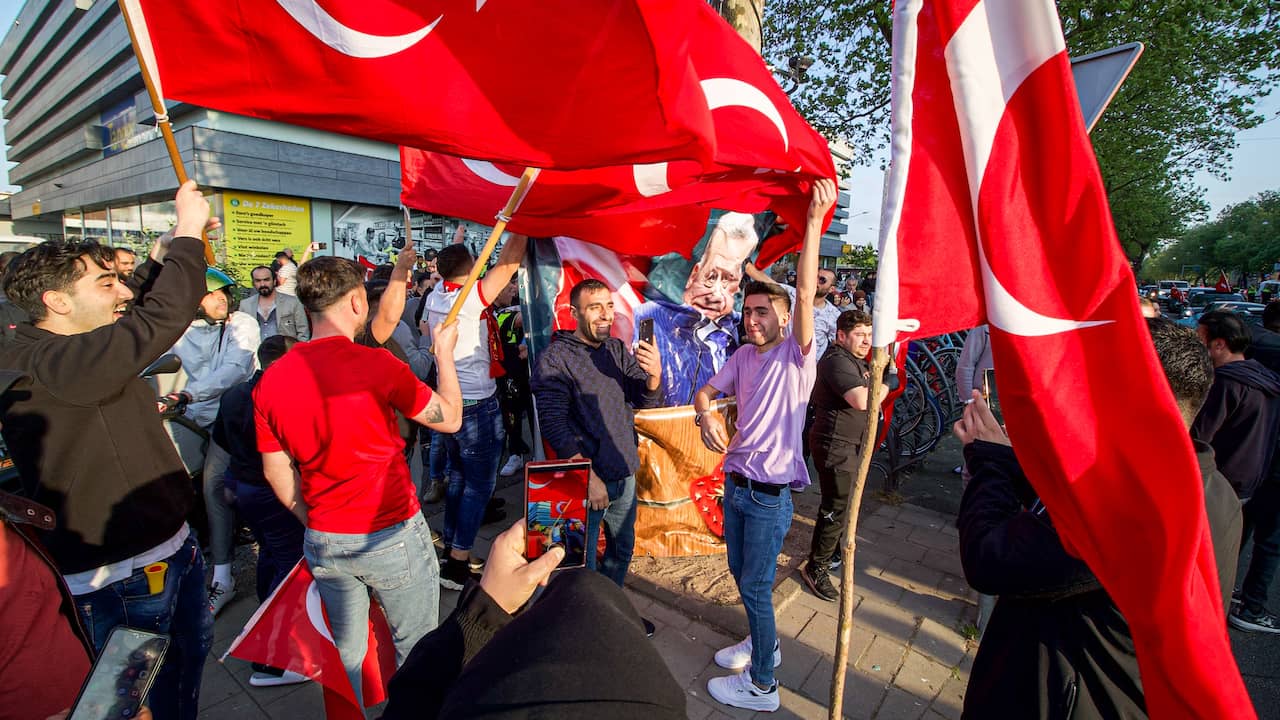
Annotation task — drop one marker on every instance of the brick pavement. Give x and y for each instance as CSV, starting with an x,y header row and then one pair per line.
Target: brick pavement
x,y
909,658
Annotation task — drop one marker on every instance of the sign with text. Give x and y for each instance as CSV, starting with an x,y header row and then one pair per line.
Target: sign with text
x,y
258,226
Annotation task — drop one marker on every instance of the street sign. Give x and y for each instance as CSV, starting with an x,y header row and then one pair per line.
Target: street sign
x,y
1099,75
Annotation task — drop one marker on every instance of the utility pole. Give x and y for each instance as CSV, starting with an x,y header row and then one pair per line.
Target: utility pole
x,y
746,16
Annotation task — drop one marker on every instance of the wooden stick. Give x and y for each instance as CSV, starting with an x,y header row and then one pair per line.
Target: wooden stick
x,y
162,119
517,195
879,361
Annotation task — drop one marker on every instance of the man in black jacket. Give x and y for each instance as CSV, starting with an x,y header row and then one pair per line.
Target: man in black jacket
x,y
1241,415
587,383
1056,645
87,439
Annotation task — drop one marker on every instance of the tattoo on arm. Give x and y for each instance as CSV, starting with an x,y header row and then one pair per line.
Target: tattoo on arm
x,y
434,413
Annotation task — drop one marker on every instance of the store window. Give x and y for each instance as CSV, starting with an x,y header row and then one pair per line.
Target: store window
x,y
126,228
73,226
96,228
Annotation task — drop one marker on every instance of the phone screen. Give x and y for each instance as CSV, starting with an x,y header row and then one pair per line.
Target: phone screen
x,y
991,395
646,330
122,675
556,509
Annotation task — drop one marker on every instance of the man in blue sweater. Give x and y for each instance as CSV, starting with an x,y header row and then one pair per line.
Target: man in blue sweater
x,y
587,383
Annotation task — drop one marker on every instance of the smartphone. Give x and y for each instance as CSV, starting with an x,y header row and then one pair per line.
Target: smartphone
x,y
990,394
646,330
555,493
121,676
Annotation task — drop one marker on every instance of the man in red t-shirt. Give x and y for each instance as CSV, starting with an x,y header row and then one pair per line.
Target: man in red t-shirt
x,y
331,450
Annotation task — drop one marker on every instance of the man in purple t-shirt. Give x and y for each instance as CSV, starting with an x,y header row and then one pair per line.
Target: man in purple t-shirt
x,y
772,377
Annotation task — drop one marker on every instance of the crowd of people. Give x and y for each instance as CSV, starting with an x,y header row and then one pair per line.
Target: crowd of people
x,y
298,411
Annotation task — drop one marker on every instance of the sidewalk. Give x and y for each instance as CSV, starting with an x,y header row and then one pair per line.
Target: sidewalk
x,y
908,658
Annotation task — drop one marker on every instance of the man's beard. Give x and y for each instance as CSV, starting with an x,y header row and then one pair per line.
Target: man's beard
x,y
266,291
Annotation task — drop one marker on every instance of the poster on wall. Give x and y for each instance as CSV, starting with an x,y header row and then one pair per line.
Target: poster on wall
x,y
369,234
258,226
695,305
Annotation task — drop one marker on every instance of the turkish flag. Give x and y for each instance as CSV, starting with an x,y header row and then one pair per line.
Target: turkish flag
x,y
290,631
553,83
766,157
1224,285
995,212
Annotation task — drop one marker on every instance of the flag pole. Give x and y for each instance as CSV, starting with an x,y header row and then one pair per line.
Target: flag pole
x,y
879,361
162,117
504,217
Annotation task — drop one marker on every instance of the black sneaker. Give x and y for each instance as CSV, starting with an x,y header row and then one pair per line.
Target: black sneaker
x,y
493,515
454,574
476,566
649,629
819,582
1243,618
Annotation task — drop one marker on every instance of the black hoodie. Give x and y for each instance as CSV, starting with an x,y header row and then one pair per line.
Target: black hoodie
x,y
83,428
1056,646
1240,418
585,399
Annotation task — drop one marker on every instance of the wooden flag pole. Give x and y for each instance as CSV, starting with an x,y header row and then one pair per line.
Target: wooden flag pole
x,y
162,118
504,217
879,361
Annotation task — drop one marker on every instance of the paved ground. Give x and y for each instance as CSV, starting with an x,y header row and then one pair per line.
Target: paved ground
x,y
910,656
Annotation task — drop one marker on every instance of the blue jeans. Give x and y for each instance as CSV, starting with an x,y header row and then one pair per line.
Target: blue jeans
x,y
1262,522
619,520
755,524
278,532
398,564
181,611
474,454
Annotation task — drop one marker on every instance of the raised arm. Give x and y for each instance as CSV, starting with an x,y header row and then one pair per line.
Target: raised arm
x,y
444,411
508,263
392,305
824,196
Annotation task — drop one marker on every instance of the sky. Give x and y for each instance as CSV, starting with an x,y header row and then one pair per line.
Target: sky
x,y
1252,169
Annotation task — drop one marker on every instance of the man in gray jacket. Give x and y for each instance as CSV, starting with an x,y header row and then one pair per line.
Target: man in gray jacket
x,y
277,313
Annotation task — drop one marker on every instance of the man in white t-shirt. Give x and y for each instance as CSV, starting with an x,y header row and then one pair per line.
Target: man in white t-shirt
x,y
476,449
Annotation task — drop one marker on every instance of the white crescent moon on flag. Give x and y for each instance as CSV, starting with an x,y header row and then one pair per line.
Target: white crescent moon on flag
x,y
651,179
489,172
315,611
984,76
347,40
538,486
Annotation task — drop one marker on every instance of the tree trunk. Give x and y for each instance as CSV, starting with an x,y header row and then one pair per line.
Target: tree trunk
x,y
746,16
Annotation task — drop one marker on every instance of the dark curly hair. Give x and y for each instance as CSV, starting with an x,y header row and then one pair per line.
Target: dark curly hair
x,y
52,265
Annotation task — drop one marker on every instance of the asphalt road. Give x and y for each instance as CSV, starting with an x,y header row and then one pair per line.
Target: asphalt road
x,y
935,486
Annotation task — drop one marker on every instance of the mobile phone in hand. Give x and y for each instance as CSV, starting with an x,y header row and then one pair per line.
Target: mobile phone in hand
x,y
646,330
991,395
555,494
121,676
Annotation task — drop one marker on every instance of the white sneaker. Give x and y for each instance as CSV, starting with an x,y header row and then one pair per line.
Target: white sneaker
x,y
220,595
737,657
266,679
739,691
514,463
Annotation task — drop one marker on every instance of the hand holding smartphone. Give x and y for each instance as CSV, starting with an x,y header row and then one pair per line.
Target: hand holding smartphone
x,y
121,676
645,332
556,509
991,395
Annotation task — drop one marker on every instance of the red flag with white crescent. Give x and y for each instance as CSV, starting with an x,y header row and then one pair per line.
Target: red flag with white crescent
x,y
995,212
290,631
1224,285
766,157
553,83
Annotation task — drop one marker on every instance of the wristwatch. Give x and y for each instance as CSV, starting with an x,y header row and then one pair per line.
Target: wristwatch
x,y
697,418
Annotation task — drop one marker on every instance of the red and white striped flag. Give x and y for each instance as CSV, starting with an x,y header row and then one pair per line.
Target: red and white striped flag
x,y
995,212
